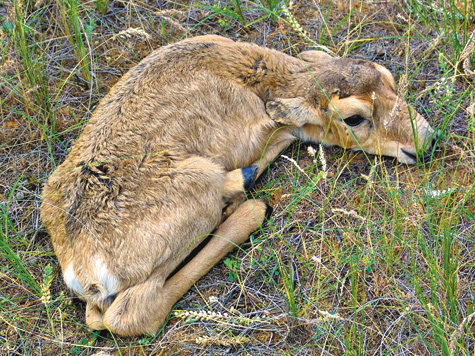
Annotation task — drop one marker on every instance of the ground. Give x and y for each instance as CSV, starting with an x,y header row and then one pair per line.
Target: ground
x,y
362,255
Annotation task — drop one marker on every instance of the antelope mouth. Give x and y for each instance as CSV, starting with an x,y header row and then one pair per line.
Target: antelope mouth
x,y
421,157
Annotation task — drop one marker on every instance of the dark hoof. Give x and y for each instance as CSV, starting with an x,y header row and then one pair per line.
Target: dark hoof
x,y
249,174
269,211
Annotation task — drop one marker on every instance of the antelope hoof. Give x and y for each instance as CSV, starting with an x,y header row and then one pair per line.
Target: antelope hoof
x,y
94,318
269,211
249,175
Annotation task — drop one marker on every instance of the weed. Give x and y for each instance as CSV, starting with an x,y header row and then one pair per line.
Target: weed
x,y
233,267
361,255
101,5
78,36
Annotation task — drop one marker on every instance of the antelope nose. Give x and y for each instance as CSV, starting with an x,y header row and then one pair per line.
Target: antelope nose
x,y
433,148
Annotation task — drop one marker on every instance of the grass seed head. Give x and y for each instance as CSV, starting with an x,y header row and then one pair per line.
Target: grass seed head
x,y
130,32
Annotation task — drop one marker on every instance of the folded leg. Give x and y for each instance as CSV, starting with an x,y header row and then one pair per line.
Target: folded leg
x,y
143,308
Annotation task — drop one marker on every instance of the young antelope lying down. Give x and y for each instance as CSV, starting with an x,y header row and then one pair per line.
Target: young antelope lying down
x,y
177,140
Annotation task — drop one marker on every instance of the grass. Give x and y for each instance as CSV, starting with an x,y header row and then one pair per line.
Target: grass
x,y
368,258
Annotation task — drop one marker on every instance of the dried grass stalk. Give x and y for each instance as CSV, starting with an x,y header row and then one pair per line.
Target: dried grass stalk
x,y
464,57
458,332
401,94
167,15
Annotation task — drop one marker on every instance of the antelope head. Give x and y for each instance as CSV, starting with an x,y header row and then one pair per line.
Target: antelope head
x,y
353,104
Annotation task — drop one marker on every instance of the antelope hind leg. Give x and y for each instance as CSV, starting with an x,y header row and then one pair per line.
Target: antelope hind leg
x,y
143,308
94,317
247,218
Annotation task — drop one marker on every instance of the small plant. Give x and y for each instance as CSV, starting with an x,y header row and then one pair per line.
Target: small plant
x,y
273,7
237,9
84,343
233,267
101,6
226,12
74,28
27,44
14,267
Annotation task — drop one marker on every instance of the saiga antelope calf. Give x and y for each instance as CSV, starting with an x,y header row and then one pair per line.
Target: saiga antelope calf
x,y
179,137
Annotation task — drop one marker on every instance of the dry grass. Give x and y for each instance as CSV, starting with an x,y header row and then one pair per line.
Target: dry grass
x,y
369,258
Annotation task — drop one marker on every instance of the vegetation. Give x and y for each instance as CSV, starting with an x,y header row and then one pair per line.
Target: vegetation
x,y
362,256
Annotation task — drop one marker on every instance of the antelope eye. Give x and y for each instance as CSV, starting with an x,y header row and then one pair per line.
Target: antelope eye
x,y
354,120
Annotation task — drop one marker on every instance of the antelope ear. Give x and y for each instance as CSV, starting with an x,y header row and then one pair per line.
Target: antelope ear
x,y
292,112
315,56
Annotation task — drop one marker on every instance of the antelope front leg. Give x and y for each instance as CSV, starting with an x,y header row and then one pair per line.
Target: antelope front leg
x,y
242,179
143,308
239,181
280,140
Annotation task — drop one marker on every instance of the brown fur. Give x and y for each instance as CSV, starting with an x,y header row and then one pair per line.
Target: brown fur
x,y
147,179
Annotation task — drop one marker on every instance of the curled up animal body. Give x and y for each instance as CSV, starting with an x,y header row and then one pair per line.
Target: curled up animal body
x,y
179,138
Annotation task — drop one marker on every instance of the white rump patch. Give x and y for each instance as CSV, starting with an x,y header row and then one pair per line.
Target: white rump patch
x,y
106,279
71,280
